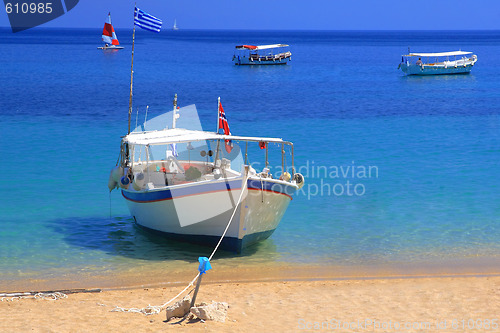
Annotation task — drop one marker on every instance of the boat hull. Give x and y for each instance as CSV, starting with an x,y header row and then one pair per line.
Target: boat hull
x,y
245,61
109,48
199,212
435,70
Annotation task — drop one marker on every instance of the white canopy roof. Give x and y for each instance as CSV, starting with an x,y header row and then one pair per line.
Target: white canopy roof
x,y
260,47
272,46
179,135
438,54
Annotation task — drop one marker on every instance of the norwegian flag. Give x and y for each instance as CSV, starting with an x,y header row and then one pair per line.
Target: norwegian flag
x,y
225,126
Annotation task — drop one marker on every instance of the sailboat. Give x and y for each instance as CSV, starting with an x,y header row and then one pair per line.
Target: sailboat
x,y
175,25
109,37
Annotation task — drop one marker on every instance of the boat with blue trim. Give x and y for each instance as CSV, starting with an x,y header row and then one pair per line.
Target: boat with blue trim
x,y
455,62
254,55
195,185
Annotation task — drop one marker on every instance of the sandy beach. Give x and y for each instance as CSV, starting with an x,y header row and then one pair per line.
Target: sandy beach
x,y
410,304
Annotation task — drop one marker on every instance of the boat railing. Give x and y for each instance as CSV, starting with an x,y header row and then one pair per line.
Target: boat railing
x,y
440,62
168,173
269,57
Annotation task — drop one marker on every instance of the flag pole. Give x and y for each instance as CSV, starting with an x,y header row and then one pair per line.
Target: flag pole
x,y
131,76
218,141
218,114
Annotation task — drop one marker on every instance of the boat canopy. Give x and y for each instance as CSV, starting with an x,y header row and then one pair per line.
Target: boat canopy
x,y
180,135
246,47
260,47
438,54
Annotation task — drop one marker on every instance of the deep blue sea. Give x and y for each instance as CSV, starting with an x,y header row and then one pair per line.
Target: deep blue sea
x,y
429,146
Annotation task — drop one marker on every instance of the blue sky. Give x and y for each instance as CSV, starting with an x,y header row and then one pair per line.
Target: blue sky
x,y
290,14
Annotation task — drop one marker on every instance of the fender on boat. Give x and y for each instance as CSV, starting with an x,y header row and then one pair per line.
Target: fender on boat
x,y
114,177
117,173
138,182
111,183
299,180
125,180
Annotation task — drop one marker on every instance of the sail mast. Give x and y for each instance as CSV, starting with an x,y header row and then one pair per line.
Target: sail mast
x,y
131,77
218,114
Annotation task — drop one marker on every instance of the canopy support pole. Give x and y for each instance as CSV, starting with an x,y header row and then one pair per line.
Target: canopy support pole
x,y
217,153
282,159
267,154
246,152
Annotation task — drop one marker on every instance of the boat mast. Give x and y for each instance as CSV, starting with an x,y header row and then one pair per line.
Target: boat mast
x,y
175,115
218,114
218,141
131,78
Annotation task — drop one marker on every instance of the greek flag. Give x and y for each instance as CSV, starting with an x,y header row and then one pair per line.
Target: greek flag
x,y
146,21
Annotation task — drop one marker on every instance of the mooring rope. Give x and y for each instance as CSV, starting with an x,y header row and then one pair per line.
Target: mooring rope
x,y
45,296
156,309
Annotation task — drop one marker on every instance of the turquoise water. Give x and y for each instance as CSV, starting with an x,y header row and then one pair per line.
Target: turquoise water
x,y
425,150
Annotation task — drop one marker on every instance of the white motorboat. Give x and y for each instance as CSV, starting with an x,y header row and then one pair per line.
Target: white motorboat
x,y
189,184
456,62
273,54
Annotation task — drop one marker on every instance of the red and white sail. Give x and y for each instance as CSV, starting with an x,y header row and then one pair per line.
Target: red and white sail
x,y
108,33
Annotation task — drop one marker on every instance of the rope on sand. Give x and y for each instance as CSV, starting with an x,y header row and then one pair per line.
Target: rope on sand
x,y
156,309
54,296
45,295
51,296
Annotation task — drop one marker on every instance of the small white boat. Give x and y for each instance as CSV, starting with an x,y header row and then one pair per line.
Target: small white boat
x,y
109,37
262,55
182,183
175,25
456,62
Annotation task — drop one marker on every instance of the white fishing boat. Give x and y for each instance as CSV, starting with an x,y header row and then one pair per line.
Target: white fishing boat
x,y
175,25
455,62
273,54
109,37
192,185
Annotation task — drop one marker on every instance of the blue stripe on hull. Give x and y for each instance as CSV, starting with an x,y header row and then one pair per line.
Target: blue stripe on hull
x,y
171,193
228,243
